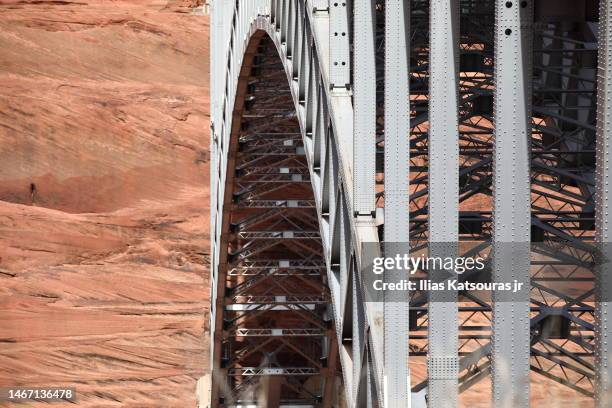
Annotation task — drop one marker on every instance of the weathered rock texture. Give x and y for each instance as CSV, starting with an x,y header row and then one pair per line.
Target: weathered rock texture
x,y
104,199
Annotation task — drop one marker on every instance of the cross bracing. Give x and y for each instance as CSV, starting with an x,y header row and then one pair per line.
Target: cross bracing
x,y
342,123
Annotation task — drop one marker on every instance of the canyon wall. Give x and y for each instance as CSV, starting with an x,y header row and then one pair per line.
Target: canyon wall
x,y
104,118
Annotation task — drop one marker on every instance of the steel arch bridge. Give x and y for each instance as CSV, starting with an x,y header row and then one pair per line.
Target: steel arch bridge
x,y
340,126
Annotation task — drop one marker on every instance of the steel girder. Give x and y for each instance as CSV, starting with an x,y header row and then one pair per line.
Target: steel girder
x,y
443,336
333,56
561,215
603,369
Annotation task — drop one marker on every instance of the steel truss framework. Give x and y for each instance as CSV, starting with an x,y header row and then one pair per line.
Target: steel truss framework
x,y
335,124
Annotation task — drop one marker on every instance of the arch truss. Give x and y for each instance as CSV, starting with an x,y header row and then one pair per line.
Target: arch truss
x,y
347,130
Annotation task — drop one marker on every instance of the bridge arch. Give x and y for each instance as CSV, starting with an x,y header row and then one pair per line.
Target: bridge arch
x,y
275,343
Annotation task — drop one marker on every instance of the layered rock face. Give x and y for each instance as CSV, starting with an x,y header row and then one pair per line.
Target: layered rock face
x,y
104,199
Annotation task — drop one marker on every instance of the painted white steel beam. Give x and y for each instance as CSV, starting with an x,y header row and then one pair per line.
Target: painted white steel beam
x,y
397,171
339,44
443,334
511,195
603,213
364,105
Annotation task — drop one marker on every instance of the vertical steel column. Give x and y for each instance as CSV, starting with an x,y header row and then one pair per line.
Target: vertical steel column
x,y
298,35
364,105
284,27
603,219
278,14
339,45
511,193
290,38
443,335
397,171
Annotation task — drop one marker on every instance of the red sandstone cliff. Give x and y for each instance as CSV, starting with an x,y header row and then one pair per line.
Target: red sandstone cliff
x,y
104,199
